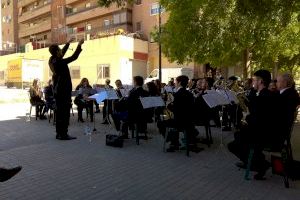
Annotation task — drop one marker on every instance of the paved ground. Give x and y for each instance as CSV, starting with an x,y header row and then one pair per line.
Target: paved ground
x,y
69,170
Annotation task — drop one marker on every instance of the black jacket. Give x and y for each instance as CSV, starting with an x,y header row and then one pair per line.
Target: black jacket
x,y
262,117
136,113
62,83
183,108
287,104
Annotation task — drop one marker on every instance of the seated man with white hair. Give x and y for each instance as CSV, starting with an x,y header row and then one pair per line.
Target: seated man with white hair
x,y
288,102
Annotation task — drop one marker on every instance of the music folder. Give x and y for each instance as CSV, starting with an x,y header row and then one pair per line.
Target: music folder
x,y
152,102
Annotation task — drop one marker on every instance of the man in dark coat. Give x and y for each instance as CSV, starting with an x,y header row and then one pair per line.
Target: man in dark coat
x,y
258,133
287,105
136,112
62,86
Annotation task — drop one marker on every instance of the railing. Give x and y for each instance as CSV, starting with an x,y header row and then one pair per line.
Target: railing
x,y
40,10
39,28
103,31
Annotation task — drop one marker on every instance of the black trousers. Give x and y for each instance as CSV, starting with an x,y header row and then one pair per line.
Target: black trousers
x,y
63,106
81,104
107,109
241,146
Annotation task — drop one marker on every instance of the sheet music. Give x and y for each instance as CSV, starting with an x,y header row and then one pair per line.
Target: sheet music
x,y
213,99
230,95
152,102
106,94
111,94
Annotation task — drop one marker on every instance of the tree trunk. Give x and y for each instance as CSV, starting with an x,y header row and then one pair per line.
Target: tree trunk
x,y
275,70
246,64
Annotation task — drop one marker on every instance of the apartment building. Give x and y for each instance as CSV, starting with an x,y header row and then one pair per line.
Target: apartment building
x,y
145,18
42,22
47,21
9,28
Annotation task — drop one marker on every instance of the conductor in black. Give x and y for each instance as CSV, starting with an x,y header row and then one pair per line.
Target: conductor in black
x,y
62,86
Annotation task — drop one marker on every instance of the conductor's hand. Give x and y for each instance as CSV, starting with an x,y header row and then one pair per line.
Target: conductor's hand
x,y
81,42
72,39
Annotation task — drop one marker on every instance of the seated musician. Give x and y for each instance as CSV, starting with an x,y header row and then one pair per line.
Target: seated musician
x,y
182,108
273,87
36,99
120,112
203,112
107,108
260,130
49,96
81,100
136,113
287,105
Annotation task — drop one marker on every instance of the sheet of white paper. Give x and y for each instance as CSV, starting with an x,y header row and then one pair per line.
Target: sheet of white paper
x,y
229,95
214,99
99,97
152,102
111,94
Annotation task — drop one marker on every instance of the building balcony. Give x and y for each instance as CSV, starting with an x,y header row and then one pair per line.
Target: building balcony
x,y
71,1
35,13
27,31
89,13
99,32
22,3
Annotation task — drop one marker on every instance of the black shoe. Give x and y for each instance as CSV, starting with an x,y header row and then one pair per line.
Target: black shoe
x,y
6,174
196,149
67,138
105,122
260,177
241,165
97,111
124,137
226,129
43,117
80,120
58,137
171,149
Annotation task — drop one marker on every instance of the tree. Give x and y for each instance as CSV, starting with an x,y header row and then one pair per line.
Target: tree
x,y
224,33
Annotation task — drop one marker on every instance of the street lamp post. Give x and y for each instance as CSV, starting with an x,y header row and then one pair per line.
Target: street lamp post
x,y
159,44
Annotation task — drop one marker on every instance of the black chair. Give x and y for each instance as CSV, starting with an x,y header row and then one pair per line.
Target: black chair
x,y
206,124
168,131
286,156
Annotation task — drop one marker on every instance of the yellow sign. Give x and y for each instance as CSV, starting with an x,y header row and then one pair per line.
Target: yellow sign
x,y
14,70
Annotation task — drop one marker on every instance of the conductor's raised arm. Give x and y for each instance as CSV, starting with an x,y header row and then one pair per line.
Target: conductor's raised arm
x,y
66,47
75,54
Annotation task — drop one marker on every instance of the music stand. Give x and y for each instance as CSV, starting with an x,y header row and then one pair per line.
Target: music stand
x,y
214,99
105,95
149,102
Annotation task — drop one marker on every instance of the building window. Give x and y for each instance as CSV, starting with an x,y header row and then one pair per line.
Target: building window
x,y
45,37
88,27
8,2
88,5
155,9
75,72
117,19
1,75
138,2
138,26
103,71
106,22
